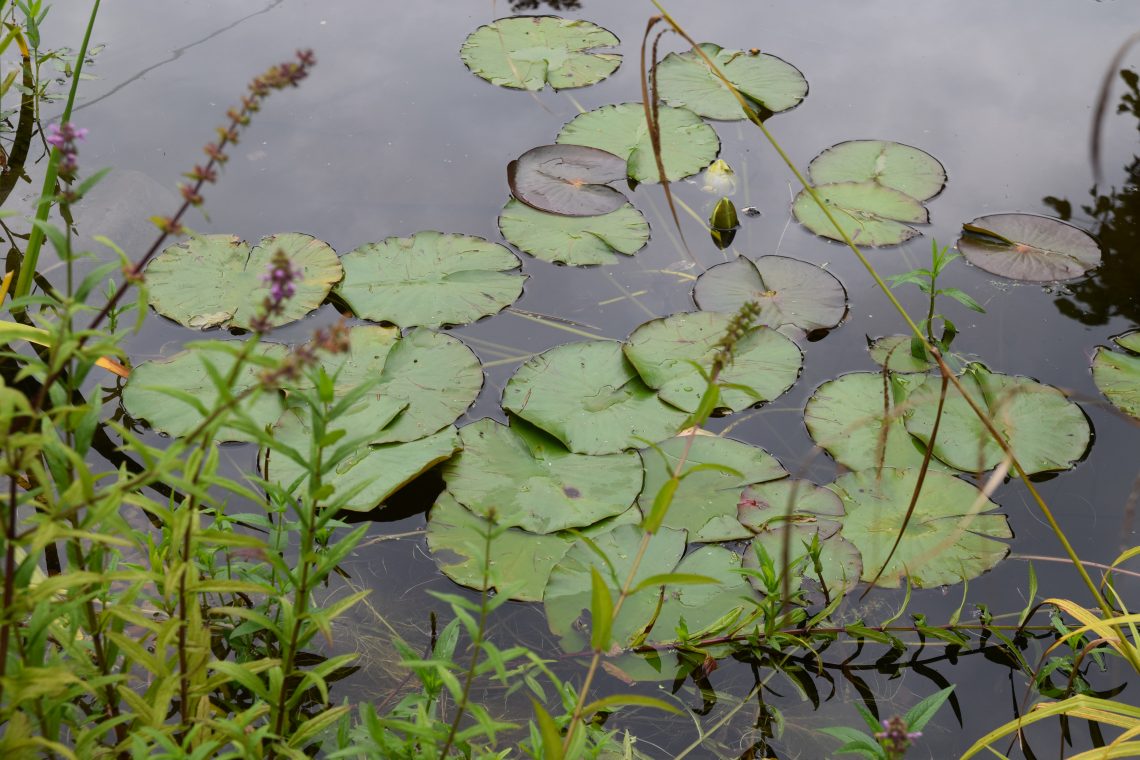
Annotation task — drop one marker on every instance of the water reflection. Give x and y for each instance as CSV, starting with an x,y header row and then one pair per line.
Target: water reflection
x,y
554,5
1114,219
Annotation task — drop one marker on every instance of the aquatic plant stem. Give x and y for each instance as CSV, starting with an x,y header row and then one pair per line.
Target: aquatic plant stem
x,y
43,207
1132,656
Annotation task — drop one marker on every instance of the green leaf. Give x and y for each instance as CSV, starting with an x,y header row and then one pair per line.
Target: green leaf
x,y
840,561
573,240
963,298
218,281
869,214
792,294
687,143
952,534
529,52
707,608
918,716
548,730
684,79
430,279
1117,375
624,700
669,354
889,164
773,504
589,397
1029,247
855,742
528,479
896,354
601,612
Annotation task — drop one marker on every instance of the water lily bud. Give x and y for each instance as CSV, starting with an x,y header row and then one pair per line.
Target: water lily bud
x,y
720,179
724,216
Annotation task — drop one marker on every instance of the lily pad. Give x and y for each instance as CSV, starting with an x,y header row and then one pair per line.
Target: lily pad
x,y
1117,375
569,180
791,293
870,214
577,241
430,279
1044,429
528,479
216,280
684,79
1029,247
371,473
766,506
185,374
705,503
519,560
841,562
588,396
845,417
567,595
529,52
666,353
893,352
708,609
432,376
687,143
948,539
890,164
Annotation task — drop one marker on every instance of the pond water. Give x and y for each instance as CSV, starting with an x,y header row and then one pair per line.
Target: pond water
x,y
392,135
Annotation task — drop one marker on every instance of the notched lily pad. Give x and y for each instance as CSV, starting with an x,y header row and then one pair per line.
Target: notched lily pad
x,y
705,503
840,562
952,534
529,52
767,506
771,84
520,561
687,143
708,609
528,479
569,180
890,164
1028,247
1044,429
217,280
869,213
1117,375
185,375
894,352
667,353
577,241
791,293
430,279
588,396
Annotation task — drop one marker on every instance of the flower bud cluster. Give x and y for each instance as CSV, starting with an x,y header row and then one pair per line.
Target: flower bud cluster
x,y
64,138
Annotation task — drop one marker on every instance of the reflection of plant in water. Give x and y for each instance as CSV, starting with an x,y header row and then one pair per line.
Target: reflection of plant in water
x,y
554,5
1114,219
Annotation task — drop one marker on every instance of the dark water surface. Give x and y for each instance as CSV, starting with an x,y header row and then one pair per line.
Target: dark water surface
x,y
392,135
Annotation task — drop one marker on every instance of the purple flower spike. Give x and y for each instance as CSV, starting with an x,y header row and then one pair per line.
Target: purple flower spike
x,y
64,137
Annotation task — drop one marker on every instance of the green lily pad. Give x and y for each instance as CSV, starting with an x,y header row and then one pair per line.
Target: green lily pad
x,y
708,609
569,180
568,592
667,351
457,540
687,143
791,293
1044,429
216,280
430,279
185,374
684,79
577,241
870,214
890,164
893,352
371,473
433,377
1029,247
841,562
528,479
845,417
767,506
944,543
588,396
529,52
1117,375
705,503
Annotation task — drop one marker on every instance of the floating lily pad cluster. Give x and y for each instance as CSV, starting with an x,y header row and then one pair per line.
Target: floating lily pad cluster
x,y
874,190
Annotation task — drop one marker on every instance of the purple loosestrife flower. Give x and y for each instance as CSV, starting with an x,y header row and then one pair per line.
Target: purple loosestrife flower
x,y
64,137
895,739
281,278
